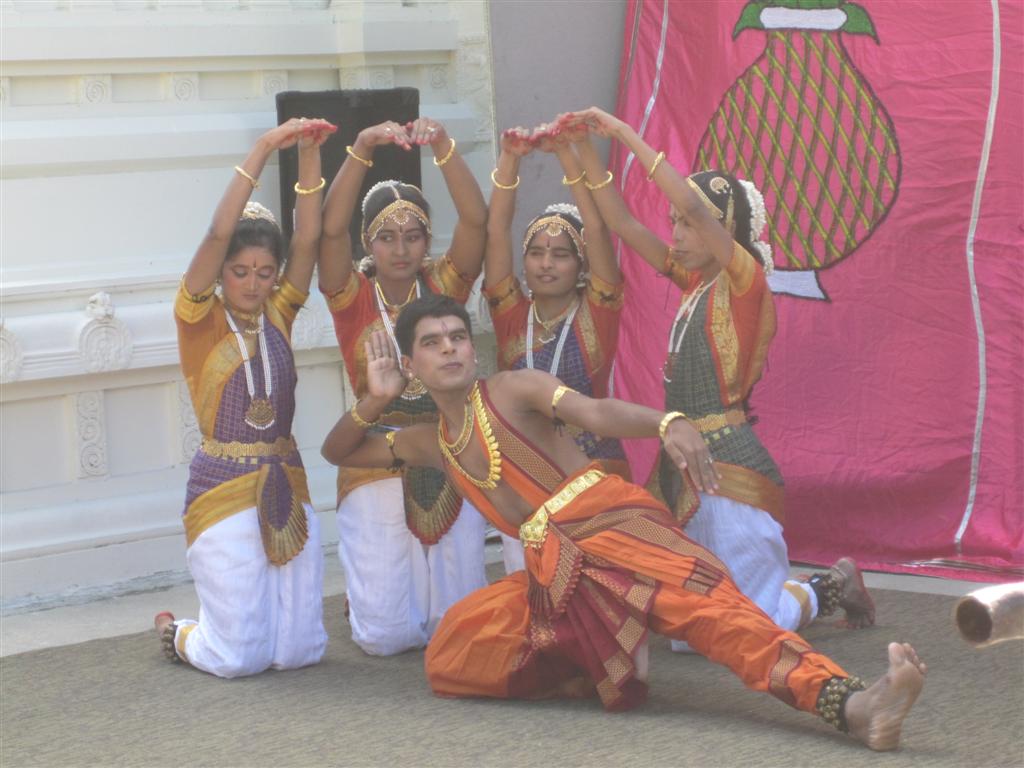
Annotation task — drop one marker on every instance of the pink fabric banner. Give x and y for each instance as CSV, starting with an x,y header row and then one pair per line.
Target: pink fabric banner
x,y
887,140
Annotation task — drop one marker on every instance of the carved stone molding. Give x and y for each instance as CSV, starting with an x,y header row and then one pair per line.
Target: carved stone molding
x,y
5,89
104,343
92,438
191,437
94,89
473,82
185,86
308,327
274,82
439,77
11,356
366,77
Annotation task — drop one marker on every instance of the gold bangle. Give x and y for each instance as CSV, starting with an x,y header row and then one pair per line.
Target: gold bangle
x,y
300,191
351,153
446,158
359,420
654,166
577,180
499,185
667,419
242,172
602,185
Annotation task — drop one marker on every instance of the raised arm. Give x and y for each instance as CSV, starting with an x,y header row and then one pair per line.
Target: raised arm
x,y
467,248
609,417
208,260
335,259
308,197
349,445
600,252
674,185
498,257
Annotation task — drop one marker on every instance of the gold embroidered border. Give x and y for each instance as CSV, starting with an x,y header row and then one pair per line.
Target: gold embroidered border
x,y
790,655
605,294
504,296
753,488
343,298
232,497
218,367
448,280
801,596
741,269
723,333
534,530
241,452
179,641
187,308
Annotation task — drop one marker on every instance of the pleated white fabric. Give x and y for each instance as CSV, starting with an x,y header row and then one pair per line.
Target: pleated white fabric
x,y
512,554
254,615
750,543
397,588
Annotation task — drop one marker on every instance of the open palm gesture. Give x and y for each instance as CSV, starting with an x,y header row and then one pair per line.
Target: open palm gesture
x,y
383,374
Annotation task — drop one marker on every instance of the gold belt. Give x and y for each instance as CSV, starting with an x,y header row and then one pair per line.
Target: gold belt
x,y
238,451
533,532
716,421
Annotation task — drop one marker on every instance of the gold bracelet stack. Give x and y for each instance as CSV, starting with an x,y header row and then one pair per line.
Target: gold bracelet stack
x,y
668,419
245,175
312,190
351,153
654,166
601,185
446,158
359,420
499,185
567,182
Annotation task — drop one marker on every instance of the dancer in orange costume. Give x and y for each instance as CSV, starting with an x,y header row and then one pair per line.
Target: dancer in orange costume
x,y
605,561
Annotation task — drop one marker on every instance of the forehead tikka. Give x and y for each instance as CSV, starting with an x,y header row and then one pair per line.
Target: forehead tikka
x,y
554,226
400,212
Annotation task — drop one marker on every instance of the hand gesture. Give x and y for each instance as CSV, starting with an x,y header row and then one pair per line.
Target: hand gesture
x,y
388,132
384,377
314,132
572,131
516,141
547,137
599,122
424,130
688,451
290,132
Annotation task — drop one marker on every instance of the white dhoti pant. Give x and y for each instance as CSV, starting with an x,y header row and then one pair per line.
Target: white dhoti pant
x,y
512,554
398,588
749,541
252,614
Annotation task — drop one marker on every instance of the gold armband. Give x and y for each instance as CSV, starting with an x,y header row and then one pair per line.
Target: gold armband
x,y
300,191
654,166
601,185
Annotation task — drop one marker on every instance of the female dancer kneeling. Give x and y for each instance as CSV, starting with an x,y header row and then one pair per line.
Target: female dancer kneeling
x,y
253,538
717,347
568,324
410,547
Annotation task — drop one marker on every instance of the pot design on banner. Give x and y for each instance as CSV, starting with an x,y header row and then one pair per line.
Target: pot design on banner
x,y
806,127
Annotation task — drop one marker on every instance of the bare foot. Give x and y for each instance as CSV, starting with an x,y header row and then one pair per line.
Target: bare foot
x,y
161,620
875,716
854,597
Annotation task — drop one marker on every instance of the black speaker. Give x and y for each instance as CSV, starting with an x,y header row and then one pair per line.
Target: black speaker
x,y
351,111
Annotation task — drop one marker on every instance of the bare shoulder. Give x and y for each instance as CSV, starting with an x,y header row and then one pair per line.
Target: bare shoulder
x,y
523,390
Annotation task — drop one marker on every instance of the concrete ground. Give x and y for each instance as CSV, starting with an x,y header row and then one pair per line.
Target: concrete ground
x,y
132,607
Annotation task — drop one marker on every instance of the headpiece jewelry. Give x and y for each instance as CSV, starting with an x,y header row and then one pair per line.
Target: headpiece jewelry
x,y
758,220
720,186
254,210
398,211
554,222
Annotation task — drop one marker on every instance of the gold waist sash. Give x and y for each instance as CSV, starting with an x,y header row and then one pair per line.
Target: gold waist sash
x,y
716,421
241,452
534,531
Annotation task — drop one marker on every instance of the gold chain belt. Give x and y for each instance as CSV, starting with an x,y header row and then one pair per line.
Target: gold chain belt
x,y
533,532
716,421
238,451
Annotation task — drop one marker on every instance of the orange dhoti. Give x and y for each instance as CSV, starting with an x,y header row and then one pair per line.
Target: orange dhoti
x,y
606,563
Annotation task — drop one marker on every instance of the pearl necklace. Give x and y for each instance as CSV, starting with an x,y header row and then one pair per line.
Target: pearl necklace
x,y
412,391
566,327
260,413
686,310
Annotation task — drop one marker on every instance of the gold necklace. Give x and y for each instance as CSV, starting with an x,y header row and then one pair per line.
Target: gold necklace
x,y
467,432
493,456
389,305
547,325
251,319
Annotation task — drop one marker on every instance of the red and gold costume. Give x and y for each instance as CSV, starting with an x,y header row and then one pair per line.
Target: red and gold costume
x,y
606,562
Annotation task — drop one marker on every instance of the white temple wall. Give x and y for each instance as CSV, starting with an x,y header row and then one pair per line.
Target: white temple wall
x,y
121,122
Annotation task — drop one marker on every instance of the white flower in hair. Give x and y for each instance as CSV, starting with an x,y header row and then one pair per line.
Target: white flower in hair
x,y
391,183
566,209
758,221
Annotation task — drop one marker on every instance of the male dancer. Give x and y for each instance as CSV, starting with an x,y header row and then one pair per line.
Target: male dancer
x,y
604,560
